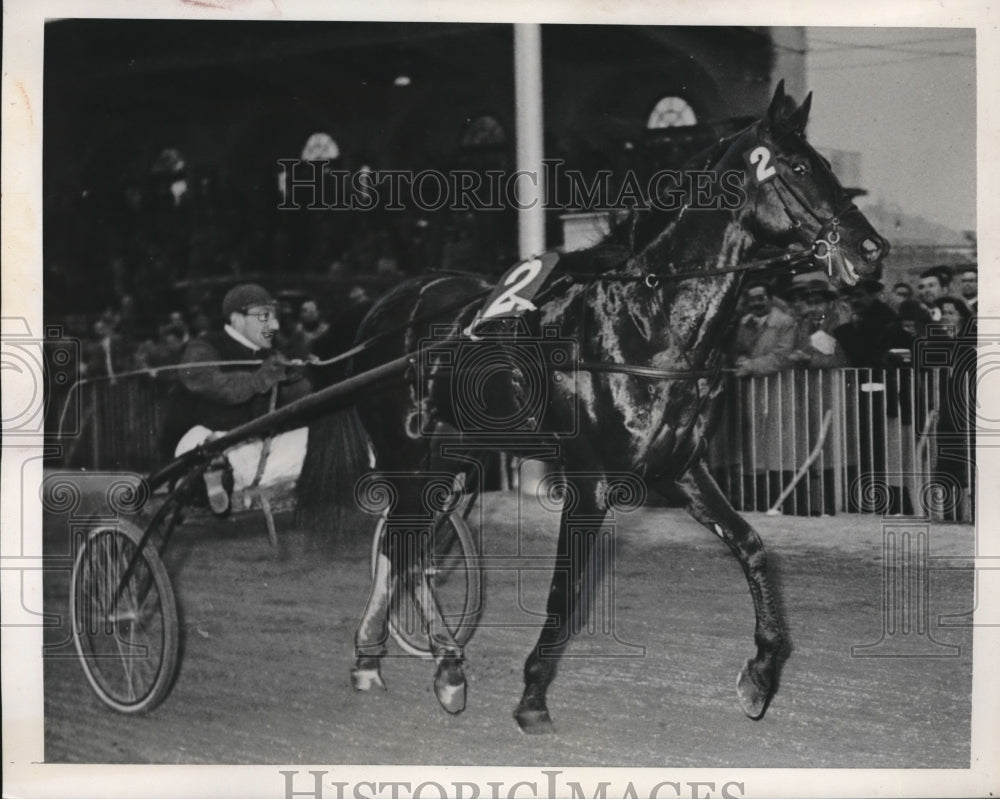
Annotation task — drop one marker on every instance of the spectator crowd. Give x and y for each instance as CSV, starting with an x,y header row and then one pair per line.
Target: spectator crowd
x,y
116,345
894,372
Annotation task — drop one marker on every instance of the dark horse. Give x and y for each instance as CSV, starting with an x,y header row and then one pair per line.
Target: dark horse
x,y
646,308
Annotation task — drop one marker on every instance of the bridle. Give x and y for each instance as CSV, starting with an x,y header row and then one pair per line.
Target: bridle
x,y
825,242
827,238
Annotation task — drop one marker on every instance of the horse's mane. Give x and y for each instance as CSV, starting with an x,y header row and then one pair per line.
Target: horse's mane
x,y
631,232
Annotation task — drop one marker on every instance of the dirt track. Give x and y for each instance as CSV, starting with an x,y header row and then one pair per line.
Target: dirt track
x,y
267,650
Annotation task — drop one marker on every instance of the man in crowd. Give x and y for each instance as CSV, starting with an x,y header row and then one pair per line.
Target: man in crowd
x,y
765,335
166,350
968,284
765,338
107,353
812,300
933,285
861,338
214,397
901,292
807,392
309,326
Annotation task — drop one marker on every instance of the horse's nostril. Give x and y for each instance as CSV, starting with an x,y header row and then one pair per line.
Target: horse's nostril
x,y
873,249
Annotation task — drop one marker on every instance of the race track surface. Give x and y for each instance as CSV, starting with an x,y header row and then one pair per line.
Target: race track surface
x,y
267,648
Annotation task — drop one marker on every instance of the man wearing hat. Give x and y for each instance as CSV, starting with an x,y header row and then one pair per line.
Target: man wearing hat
x,y
764,335
812,299
214,396
863,336
807,392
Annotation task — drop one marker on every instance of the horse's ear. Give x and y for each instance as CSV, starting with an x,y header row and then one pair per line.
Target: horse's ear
x,y
799,118
783,115
774,111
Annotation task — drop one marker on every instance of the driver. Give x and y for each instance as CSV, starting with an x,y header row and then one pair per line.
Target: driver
x,y
212,397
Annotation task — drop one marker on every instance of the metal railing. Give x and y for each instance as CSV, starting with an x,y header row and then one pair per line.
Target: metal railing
x,y
819,442
117,423
804,442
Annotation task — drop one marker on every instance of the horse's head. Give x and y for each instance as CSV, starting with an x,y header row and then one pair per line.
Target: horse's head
x,y
794,197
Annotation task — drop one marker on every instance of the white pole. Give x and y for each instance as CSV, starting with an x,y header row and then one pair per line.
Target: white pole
x,y
530,185
529,124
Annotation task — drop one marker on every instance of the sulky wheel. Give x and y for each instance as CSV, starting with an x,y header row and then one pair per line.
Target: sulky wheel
x,y
457,582
125,629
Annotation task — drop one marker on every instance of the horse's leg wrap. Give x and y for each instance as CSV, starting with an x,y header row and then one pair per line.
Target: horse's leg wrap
x,y
758,678
373,630
449,679
366,675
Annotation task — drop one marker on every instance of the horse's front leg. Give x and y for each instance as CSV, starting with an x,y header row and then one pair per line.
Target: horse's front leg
x,y
757,679
582,516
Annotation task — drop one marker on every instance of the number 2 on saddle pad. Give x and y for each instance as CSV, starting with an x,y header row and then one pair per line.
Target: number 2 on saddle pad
x,y
515,291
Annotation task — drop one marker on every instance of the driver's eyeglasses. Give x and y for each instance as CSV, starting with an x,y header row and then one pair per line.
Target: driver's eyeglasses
x,y
262,316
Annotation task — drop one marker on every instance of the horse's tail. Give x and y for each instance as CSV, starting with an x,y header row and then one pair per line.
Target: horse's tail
x,y
336,457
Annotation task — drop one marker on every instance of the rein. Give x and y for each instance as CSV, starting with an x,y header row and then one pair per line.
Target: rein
x,y
653,279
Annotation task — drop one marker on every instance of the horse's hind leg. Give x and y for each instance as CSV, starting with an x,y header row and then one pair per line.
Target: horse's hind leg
x,y
449,679
583,514
402,567
373,629
757,680
412,557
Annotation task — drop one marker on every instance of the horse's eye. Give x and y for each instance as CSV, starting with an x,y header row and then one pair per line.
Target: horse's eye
x,y
800,168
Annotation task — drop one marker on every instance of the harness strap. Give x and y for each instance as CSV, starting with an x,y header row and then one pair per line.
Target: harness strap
x,y
651,373
265,450
255,489
652,279
636,371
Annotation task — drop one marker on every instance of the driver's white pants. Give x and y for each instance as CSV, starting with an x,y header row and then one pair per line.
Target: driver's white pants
x,y
284,460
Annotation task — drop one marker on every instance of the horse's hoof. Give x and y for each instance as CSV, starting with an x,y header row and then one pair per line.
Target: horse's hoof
x,y
366,679
534,722
449,685
753,698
